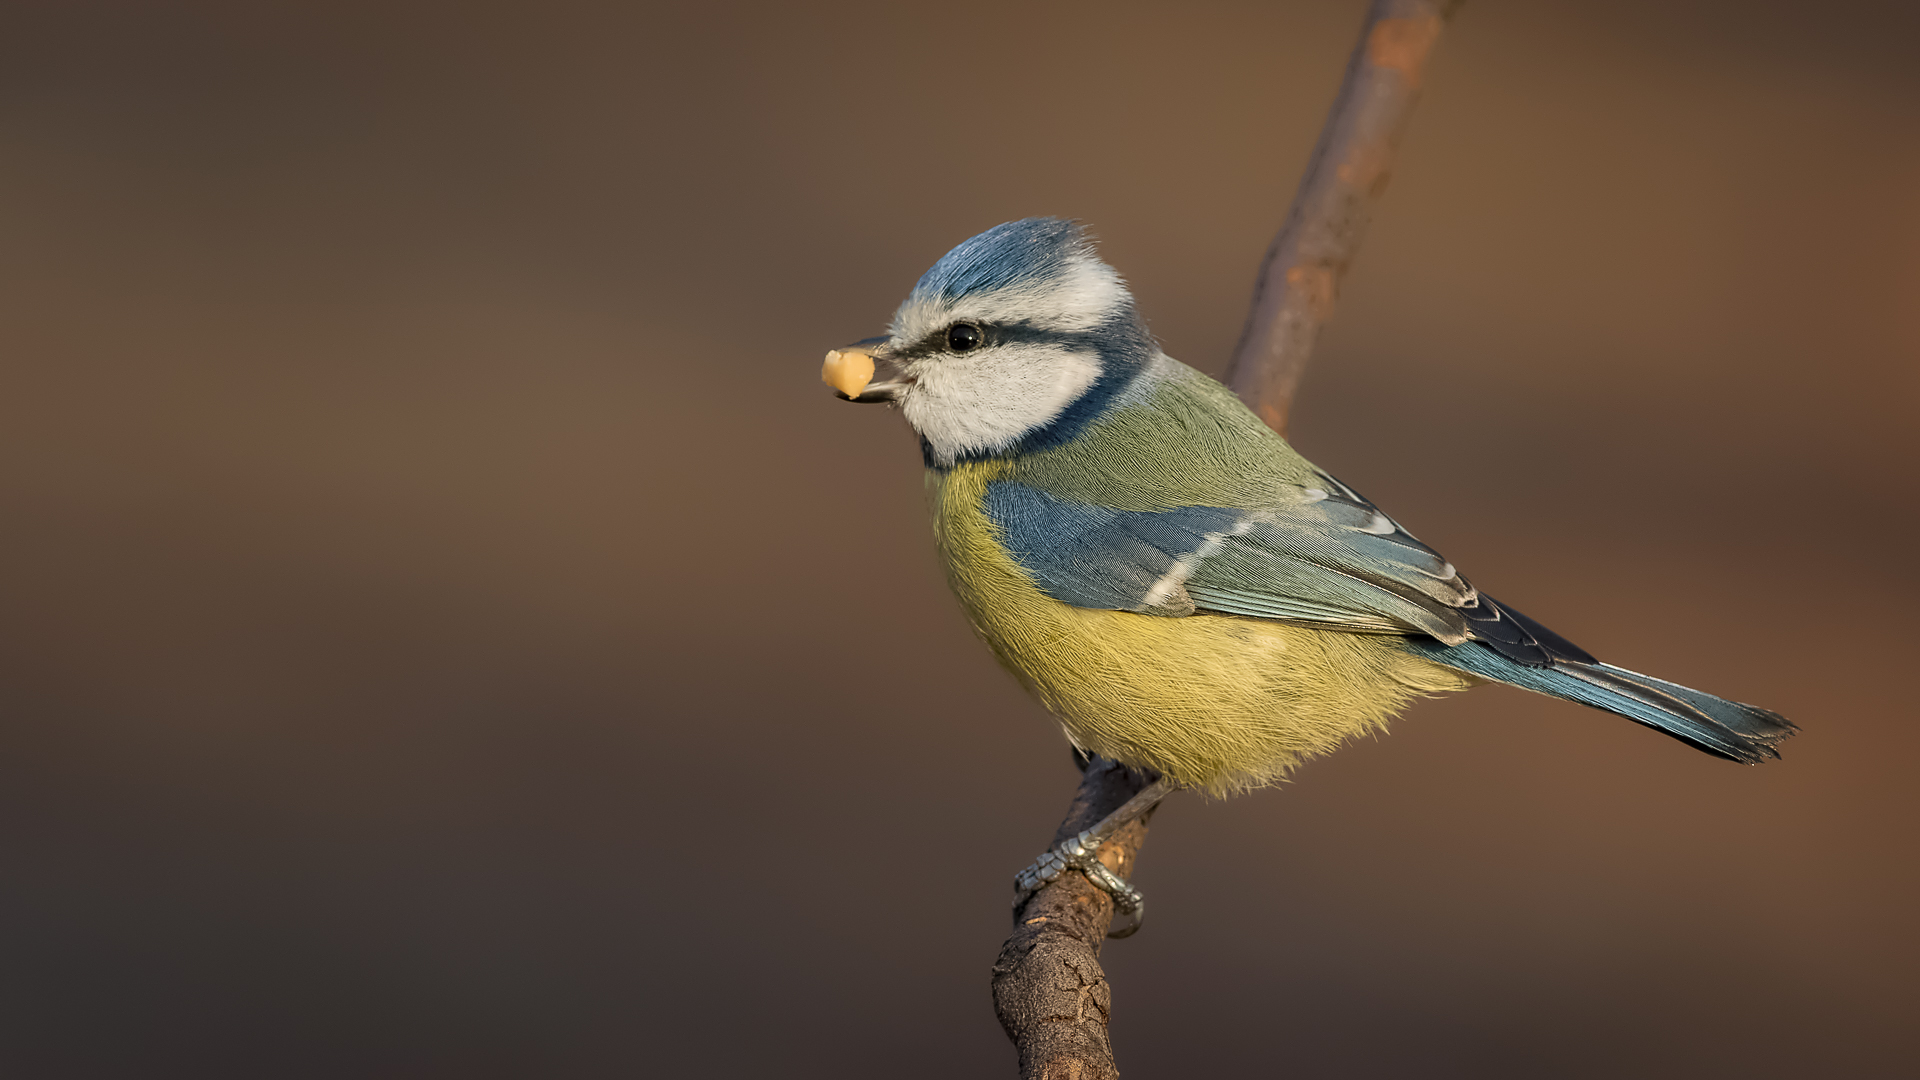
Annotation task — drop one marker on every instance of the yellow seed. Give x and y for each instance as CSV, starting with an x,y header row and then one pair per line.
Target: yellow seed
x,y
847,370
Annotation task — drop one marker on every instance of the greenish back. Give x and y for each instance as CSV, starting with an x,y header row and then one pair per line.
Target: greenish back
x,y
1178,439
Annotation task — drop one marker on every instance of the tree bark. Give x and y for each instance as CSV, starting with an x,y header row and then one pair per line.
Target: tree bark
x,y
1048,988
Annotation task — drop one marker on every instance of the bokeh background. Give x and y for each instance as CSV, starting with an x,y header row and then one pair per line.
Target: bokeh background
x,y
446,629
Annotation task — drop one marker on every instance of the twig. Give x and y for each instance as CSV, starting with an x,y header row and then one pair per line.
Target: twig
x,y
1300,277
1048,988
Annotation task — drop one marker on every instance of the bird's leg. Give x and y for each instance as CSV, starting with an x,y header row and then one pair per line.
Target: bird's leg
x,y
1081,852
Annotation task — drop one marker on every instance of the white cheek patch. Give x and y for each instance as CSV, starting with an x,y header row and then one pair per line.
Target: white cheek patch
x,y
985,401
1081,296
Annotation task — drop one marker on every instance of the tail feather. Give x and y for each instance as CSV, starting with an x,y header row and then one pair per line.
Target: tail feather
x,y
1720,727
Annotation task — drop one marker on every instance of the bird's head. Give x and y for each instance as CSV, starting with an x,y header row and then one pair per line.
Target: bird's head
x,y
1012,341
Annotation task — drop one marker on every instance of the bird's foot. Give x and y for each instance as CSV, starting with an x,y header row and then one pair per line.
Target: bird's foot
x,y
1081,853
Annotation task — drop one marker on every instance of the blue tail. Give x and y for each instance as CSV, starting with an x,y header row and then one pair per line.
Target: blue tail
x,y
1723,728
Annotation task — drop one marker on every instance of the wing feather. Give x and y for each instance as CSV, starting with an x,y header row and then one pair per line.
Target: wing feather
x,y
1320,556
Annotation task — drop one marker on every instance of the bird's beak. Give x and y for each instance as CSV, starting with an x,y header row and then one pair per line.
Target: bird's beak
x,y
864,372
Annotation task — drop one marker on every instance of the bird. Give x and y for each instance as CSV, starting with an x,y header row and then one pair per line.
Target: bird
x,y
1181,589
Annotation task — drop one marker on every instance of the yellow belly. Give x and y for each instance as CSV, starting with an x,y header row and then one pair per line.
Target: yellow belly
x,y
1217,702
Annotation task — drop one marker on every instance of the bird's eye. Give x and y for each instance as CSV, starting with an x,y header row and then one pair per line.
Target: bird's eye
x,y
962,338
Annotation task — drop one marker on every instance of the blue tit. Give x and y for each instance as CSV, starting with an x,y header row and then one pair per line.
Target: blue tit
x,y
1178,586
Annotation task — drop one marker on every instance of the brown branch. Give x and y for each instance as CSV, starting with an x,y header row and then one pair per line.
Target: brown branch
x,y
1300,277
1048,988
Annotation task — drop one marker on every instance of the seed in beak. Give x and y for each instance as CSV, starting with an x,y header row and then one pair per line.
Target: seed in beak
x,y
848,371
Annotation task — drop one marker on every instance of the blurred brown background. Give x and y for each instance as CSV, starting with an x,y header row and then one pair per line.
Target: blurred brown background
x,y
449,630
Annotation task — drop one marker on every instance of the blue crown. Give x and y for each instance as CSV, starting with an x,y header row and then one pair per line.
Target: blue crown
x,y
1018,253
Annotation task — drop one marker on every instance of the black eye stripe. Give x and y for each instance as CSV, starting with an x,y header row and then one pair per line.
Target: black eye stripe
x,y
992,334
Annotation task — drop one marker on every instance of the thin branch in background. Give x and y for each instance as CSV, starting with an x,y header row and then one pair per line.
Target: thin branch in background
x,y
1300,278
1049,991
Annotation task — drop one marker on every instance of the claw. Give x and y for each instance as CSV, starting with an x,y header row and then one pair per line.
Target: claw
x,y
1081,853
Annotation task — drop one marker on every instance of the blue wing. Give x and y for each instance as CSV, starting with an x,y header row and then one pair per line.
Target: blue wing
x,y
1097,557
1329,558
1321,556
